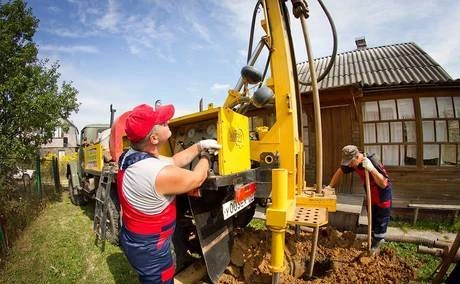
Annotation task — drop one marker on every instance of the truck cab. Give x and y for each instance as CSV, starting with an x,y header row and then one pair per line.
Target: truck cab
x,y
84,174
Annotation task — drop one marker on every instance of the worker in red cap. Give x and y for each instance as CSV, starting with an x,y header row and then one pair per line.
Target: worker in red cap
x,y
147,185
354,160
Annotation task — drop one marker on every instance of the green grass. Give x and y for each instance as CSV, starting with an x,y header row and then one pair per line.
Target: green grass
x,y
58,247
424,264
257,224
438,226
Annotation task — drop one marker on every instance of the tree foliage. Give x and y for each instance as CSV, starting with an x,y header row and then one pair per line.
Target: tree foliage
x,y
31,101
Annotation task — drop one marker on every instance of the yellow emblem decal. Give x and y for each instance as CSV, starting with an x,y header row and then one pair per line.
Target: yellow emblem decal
x,y
236,136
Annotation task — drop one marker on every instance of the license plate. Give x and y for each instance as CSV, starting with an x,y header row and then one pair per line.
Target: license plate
x,y
231,207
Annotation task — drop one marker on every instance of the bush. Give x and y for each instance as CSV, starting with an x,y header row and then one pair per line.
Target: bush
x,y
20,204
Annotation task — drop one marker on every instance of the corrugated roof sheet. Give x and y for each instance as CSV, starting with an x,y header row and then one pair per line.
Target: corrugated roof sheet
x,y
397,64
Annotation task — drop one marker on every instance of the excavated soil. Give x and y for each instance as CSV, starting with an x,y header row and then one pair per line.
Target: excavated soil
x,y
340,258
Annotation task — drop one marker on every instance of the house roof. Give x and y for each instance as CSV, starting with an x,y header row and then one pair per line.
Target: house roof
x,y
97,125
389,65
70,123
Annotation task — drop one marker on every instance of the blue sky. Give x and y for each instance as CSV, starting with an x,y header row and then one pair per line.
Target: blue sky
x,y
128,52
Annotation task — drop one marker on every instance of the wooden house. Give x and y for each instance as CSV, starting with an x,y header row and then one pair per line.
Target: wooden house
x,y
394,101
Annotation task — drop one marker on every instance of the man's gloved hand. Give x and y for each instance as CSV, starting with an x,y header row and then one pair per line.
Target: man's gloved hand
x,y
367,164
209,145
206,154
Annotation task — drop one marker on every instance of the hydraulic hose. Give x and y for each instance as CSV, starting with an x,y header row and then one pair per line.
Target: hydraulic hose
x,y
317,111
266,68
335,43
300,10
251,33
251,42
296,78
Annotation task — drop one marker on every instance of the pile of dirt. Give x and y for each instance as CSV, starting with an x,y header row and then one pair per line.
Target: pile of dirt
x,y
340,258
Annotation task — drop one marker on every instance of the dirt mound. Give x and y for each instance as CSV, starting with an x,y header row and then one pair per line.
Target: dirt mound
x,y
339,259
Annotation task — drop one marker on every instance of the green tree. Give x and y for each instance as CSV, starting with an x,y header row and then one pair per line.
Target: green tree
x,y
31,102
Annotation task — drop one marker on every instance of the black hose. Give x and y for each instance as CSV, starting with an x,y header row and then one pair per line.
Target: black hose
x,y
266,68
334,49
251,33
296,78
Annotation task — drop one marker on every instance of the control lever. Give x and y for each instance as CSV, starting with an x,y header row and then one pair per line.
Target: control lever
x,y
181,143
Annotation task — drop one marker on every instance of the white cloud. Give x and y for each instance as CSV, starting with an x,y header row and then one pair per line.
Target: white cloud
x,y
443,45
95,107
85,9
68,33
236,15
243,53
62,32
134,49
92,11
110,20
97,92
188,13
181,110
69,49
143,33
165,6
54,9
196,46
165,54
151,29
96,95
216,87
202,31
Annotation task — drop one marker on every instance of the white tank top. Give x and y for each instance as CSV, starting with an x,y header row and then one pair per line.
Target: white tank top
x,y
139,185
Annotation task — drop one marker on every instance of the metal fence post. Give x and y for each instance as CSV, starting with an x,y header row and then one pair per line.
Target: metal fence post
x,y
38,176
57,180
3,239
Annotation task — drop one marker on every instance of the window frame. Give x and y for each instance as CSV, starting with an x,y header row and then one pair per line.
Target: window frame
x,y
444,121
381,145
440,144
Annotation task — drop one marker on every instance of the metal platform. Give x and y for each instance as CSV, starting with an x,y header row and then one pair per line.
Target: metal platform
x,y
309,216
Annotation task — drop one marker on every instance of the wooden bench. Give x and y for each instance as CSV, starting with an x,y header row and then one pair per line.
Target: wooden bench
x,y
418,206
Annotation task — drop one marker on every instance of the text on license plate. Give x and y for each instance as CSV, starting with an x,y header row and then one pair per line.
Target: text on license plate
x,y
230,208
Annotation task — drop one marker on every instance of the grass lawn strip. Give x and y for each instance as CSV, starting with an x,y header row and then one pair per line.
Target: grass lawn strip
x,y
58,247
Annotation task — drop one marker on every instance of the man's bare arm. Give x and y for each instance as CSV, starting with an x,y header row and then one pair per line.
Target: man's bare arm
x,y
186,156
336,177
380,179
175,180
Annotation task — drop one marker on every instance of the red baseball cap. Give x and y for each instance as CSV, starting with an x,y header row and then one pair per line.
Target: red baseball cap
x,y
142,119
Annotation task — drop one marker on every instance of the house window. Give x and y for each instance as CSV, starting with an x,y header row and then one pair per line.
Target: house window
x,y
58,132
440,128
389,131
65,142
61,154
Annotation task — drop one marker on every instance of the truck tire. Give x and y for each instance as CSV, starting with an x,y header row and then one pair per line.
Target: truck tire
x,y
75,196
113,217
